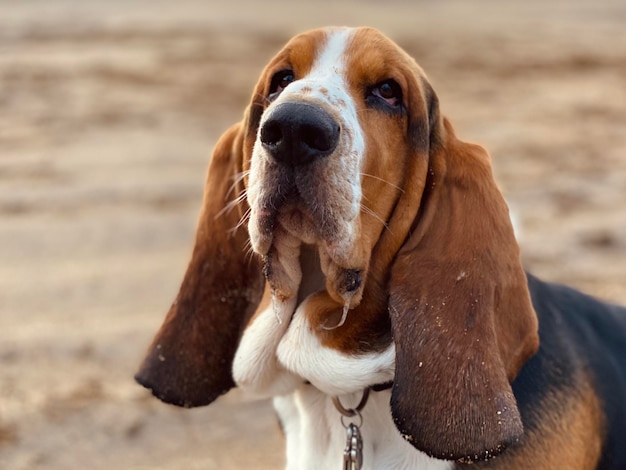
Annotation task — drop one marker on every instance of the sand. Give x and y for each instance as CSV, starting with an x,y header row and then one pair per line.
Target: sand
x,y
108,113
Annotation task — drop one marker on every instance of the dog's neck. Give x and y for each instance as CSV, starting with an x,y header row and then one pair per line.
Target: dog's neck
x,y
286,360
316,436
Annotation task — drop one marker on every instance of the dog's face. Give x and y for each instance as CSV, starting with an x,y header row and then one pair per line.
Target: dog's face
x,y
382,251
330,158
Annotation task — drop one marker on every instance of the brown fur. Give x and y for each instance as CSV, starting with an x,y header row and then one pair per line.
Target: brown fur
x,y
569,436
441,269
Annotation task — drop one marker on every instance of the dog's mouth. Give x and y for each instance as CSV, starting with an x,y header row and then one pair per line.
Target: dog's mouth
x,y
298,220
299,204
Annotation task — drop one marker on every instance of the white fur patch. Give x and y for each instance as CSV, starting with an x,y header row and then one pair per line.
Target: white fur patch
x,y
255,366
331,371
316,437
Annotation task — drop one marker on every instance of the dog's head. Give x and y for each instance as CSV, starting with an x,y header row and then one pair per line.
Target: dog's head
x,y
343,153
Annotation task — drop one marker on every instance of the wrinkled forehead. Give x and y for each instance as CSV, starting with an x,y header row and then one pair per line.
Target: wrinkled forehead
x,y
373,57
301,52
361,55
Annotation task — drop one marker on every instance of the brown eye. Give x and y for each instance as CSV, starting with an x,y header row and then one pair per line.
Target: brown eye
x,y
285,80
280,81
389,91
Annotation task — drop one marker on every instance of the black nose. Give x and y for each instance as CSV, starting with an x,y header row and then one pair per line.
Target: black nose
x,y
298,133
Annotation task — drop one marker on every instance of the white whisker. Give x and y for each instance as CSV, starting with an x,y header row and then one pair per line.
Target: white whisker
x,y
370,212
244,218
242,221
231,205
265,99
236,180
384,181
249,251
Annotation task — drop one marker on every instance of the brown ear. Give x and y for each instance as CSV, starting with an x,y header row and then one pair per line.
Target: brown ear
x,y
462,319
189,361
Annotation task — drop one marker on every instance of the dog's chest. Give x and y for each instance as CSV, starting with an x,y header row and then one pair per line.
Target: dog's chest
x,y
316,435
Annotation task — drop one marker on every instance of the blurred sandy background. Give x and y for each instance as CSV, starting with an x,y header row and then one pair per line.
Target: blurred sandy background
x,y
108,113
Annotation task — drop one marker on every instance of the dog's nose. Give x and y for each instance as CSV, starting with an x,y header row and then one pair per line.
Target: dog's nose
x,y
299,133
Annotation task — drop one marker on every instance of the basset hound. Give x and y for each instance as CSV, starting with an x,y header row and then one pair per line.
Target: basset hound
x,y
351,249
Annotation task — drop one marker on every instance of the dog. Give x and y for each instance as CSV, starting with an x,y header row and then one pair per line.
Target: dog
x,y
355,261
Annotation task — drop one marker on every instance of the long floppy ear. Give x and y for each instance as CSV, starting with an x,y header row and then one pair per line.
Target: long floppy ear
x,y
462,320
189,361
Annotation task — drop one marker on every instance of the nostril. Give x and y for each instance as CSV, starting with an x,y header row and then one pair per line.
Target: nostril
x,y
320,137
271,133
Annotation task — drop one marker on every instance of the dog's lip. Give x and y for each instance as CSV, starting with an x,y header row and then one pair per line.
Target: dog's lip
x,y
266,218
295,203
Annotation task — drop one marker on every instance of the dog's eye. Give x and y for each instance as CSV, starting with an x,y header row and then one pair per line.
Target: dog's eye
x,y
280,80
389,91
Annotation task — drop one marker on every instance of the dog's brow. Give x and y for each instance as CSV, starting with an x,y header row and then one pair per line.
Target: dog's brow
x,y
331,59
